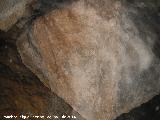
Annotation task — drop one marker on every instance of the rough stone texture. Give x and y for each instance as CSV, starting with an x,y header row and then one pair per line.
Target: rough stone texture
x,y
11,11
93,55
21,91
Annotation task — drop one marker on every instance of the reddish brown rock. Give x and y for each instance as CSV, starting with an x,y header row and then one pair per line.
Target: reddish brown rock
x,y
94,57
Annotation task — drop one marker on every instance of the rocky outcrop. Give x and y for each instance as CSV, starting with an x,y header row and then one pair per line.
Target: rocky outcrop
x,y
93,55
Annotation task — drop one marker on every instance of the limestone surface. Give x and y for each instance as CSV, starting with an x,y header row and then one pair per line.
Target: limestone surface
x,y
93,55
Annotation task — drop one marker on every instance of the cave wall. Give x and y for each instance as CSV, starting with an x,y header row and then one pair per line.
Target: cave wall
x,y
99,56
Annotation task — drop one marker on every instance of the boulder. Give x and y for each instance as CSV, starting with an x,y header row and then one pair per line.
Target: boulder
x,y
93,55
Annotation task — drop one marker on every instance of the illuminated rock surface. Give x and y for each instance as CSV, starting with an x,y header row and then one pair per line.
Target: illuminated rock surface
x,y
94,55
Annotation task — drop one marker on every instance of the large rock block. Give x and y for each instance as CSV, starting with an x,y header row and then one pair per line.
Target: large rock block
x,y
92,55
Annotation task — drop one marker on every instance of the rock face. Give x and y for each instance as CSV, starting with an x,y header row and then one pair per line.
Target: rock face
x,y
92,54
21,91
11,11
